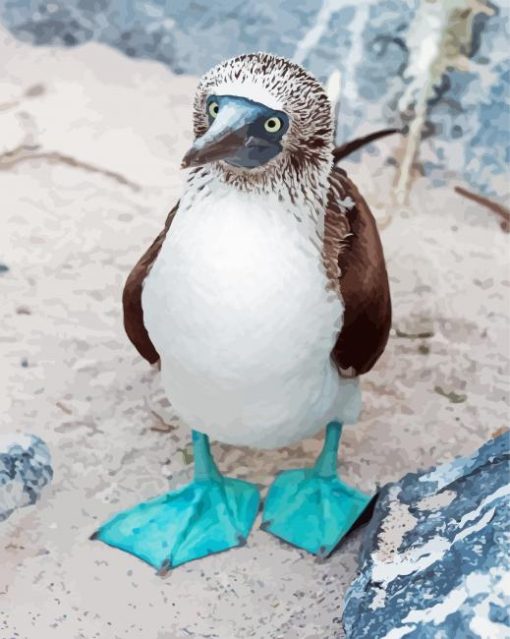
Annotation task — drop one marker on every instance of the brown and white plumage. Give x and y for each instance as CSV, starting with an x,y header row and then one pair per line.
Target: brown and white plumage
x,y
354,260
328,209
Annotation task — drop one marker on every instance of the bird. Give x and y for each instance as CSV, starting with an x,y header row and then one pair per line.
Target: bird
x,y
263,299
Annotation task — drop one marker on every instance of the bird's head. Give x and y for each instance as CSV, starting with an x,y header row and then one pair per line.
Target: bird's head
x,y
260,114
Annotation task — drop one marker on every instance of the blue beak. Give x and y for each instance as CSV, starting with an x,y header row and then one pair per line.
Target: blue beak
x,y
237,135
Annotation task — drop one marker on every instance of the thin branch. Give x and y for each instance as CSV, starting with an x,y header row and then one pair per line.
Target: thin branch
x,y
162,426
342,151
24,153
501,211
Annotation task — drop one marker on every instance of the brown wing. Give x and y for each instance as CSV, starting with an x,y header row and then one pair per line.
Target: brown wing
x,y
353,256
132,296
352,242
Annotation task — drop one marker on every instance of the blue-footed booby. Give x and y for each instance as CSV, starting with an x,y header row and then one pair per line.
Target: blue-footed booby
x,y
264,298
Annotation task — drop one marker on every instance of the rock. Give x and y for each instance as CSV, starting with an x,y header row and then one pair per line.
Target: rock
x,y
369,42
133,117
25,469
436,554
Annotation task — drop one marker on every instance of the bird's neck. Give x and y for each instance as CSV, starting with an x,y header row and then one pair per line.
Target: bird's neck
x,y
301,196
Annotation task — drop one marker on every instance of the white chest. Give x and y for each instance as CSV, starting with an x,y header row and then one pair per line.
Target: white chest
x,y
237,306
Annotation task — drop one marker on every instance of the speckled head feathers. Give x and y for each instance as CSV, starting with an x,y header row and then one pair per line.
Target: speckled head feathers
x,y
279,84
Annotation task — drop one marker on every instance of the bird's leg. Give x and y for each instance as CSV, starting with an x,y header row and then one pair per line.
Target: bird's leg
x,y
211,514
311,508
326,464
205,466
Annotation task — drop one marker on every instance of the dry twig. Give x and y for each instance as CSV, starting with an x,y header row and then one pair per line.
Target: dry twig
x,y
501,211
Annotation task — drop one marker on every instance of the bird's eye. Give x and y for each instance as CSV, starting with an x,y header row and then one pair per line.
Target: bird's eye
x,y
273,125
213,109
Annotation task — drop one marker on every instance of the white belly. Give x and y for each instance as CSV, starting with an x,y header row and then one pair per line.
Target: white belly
x,y
237,307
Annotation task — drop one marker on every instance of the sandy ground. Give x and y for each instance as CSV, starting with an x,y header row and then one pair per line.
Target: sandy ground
x,y
91,148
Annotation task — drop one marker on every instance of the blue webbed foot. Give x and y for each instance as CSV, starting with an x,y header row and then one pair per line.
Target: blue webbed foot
x,y
312,508
201,518
310,512
209,515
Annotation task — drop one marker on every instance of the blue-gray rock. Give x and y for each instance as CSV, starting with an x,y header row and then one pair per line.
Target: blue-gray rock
x,y
435,559
25,469
368,42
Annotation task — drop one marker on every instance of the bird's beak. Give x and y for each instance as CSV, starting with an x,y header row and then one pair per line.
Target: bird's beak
x,y
225,138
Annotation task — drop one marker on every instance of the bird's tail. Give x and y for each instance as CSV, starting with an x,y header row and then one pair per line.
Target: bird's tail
x,y
342,151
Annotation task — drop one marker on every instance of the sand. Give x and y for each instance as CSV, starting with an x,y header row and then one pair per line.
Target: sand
x,y
89,166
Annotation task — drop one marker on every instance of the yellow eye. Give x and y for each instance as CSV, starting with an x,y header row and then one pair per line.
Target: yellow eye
x,y
213,109
273,125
